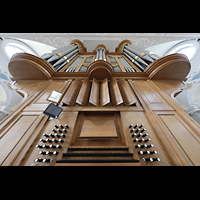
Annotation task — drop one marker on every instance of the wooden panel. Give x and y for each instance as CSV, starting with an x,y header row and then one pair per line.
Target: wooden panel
x,y
56,85
172,67
153,106
148,92
83,95
141,118
190,145
35,108
127,93
170,87
116,97
72,93
32,153
98,126
28,86
104,93
160,107
94,95
25,66
14,135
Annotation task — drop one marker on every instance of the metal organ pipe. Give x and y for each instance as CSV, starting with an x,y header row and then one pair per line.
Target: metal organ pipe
x,y
140,57
60,57
74,65
67,61
104,55
62,53
65,57
136,57
134,61
140,53
100,54
124,65
128,66
47,55
79,60
149,53
97,55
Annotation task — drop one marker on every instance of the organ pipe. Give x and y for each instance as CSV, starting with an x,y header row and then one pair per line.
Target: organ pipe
x,y
63,64
136,57
74,65
97,55
100,54
104,55
62,53
139,53
49,54
65,57
148,53
134,61
140,57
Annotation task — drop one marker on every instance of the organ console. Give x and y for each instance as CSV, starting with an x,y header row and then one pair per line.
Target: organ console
x,y
118,108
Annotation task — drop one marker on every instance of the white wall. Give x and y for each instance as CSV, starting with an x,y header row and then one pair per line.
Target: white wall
x,y
38,47
188,97
161,49
13,98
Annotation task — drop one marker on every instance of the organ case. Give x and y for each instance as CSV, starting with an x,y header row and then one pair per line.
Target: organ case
x,y
108,118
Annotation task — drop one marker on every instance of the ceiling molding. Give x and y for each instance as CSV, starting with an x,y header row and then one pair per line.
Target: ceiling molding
x,y
141,40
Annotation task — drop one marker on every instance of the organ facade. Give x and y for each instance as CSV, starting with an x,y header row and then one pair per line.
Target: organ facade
x,y
118,108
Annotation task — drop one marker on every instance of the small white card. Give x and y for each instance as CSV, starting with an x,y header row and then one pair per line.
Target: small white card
x,y
55,96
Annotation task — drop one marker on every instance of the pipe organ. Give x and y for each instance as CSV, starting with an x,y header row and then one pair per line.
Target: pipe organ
x,y
118,108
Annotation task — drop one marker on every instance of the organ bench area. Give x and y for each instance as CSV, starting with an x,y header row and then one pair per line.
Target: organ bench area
x,y
118,109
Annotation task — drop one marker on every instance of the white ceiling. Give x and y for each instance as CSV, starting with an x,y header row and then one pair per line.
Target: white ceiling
x,y
110,40
110,44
